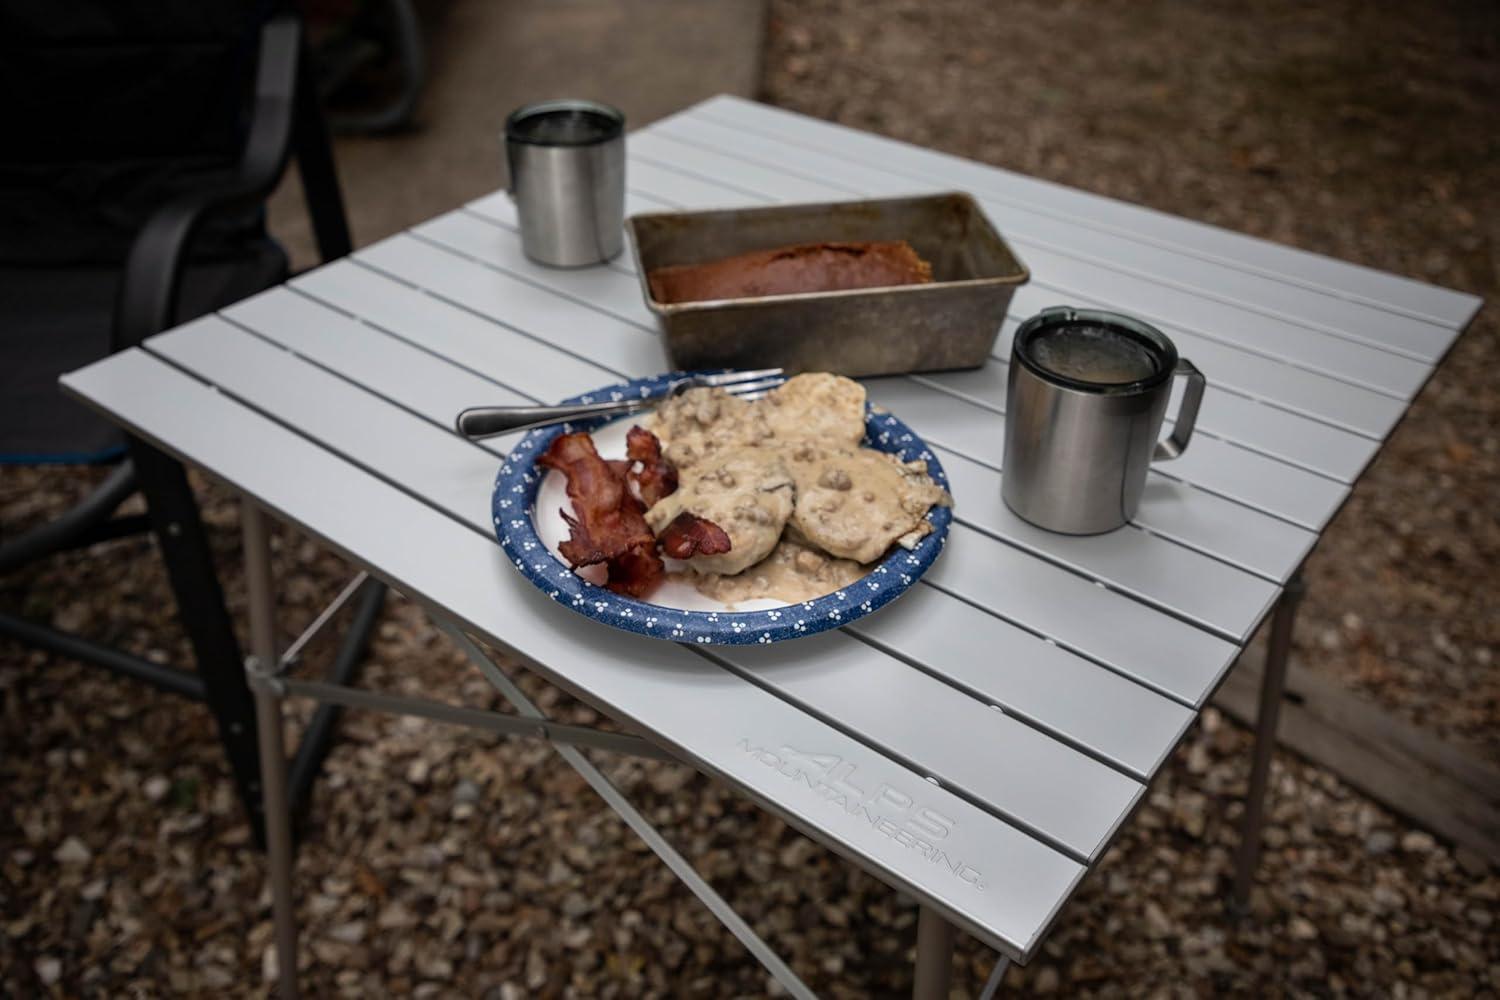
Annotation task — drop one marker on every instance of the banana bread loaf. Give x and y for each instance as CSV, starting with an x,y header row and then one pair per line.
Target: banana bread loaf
x,y
805,267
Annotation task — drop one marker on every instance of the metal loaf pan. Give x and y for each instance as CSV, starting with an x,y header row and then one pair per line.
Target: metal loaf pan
x,y
950,323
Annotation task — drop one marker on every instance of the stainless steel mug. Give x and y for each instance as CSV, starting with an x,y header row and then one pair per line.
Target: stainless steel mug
x,y
1088,392
567,177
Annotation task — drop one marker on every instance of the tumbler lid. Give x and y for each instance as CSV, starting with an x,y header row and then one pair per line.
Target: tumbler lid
x,y
1095,351
566,122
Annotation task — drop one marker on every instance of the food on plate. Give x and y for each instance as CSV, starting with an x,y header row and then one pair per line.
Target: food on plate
x,y
687,535
646,470
788,270
849,503
701,423
827,409
607,524
746,491
771,499
854,504
792,572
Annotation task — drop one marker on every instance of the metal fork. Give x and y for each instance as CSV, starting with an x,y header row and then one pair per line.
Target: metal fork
x,y
488,421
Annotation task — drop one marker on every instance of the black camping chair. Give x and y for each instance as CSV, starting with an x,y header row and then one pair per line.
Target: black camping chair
x,y
142,140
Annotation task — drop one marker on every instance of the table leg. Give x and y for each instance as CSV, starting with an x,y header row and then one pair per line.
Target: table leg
x,y
263,667
934,970
997,975
1272,688
616,800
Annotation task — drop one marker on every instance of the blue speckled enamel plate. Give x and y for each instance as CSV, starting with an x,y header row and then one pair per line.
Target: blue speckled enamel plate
x,y
514,508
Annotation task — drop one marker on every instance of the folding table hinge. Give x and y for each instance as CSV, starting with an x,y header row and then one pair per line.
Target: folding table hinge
x,y
263,678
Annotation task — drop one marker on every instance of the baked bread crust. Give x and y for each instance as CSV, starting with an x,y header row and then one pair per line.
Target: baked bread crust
x,y
804,267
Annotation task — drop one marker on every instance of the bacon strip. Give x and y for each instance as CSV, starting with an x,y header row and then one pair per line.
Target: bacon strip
x,y
689,535
601,524
607,524
656,477
636,572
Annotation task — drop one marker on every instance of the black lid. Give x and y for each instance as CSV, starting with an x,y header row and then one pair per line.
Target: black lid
x,y
1162,351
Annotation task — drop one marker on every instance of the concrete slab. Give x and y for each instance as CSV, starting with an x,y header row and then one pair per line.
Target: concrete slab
x,y
647,57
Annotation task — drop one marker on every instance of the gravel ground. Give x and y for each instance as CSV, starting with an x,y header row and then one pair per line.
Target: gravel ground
x,y
438,863
1361,131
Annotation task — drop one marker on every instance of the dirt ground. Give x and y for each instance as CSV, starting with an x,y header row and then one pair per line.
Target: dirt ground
x,y
440,863
1361,131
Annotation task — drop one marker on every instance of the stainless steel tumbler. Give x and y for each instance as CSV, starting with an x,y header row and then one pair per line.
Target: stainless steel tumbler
x,y
567,177
1088,392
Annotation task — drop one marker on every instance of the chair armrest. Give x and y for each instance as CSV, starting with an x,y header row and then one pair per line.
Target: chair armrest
x,y
153,269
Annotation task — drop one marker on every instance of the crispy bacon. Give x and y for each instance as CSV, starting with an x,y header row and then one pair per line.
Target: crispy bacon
x,y
607,524
656,477
636,572
690,535
601,524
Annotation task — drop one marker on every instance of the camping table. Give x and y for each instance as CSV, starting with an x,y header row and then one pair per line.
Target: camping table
x,y
977,744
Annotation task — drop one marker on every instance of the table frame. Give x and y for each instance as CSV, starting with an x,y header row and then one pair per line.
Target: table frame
x,y
266,669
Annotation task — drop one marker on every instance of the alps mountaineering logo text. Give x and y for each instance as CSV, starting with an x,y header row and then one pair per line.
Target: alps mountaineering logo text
x,y
890,811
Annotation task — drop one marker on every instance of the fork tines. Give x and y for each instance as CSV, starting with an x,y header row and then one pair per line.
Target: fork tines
x,y
730,378
749,385
753,390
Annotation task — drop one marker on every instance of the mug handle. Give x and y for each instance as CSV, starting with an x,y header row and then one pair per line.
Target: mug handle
x,y
1187,413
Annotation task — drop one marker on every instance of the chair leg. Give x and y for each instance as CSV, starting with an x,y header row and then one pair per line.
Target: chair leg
x,y
320,180
169,679
403,31
200,603
62,531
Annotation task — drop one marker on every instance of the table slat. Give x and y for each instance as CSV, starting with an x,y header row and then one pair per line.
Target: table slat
x,y
1181,581
1031,678
607,289
1160,652
586,334
519,363
1010,767
441,469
